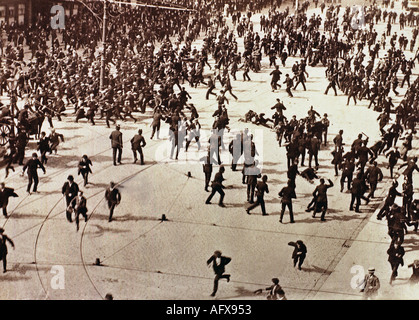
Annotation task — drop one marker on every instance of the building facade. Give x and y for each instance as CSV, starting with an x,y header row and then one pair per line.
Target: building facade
x,y
15,12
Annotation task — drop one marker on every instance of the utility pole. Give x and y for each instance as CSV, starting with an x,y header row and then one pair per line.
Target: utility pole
x,y
103,59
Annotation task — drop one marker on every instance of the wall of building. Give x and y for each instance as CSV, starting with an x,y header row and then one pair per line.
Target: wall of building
x,y
15,12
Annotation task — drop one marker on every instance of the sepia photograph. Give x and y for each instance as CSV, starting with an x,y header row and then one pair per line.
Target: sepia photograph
x,y
213,151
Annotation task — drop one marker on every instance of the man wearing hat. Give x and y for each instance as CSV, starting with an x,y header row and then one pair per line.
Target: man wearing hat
x,y
113,196
3,248
79,203
218,264
116,144
371,285
70,190
32,165
137,144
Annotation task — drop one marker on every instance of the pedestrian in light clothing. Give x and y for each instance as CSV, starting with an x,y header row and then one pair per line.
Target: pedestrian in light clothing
x,y
84,168
116,144
370,285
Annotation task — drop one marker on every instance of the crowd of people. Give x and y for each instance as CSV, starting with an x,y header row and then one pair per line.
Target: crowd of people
x,y
149,67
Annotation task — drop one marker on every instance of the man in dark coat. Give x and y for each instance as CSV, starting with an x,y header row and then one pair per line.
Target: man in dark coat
x,y
253,173
275,291
373,174
370,285
389,201
395,257
3,248
21,142
43,147
116,144
348,169
218,264
217,186
32,165
5,193
276,74
113,196
299,253
207,168
137,144
70,189
261,188
84,168
287,194
79,203
363,153
313,151
321,194
357,192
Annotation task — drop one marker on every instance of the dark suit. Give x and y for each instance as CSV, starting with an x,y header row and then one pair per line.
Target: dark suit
x,y
219,270
32,166
357,192
70,191
4,198
113,196
217,186
3,249
287,193
116,144
80,206
137,144
299,253
84,169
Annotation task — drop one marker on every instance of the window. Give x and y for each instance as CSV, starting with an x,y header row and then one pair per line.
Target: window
x,y
21,9
21,14
12,13
2,11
